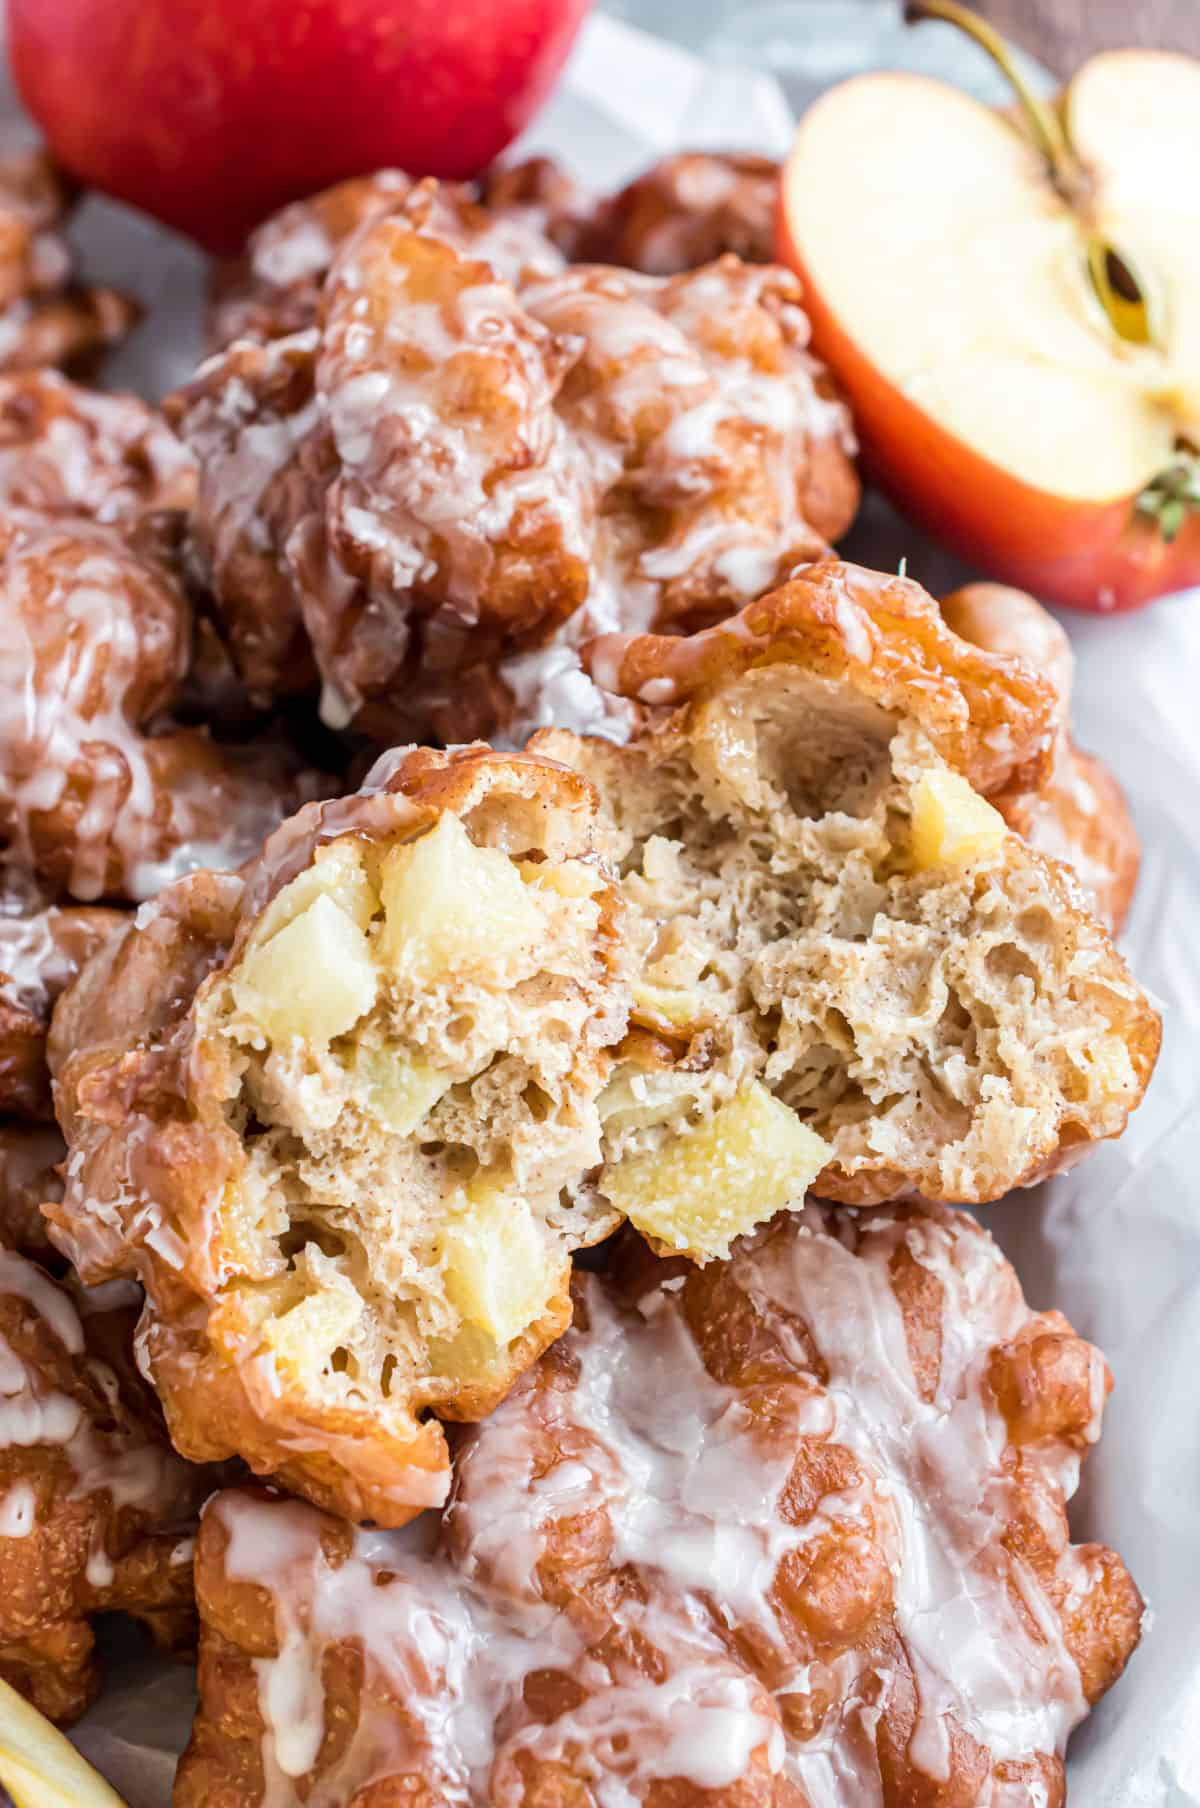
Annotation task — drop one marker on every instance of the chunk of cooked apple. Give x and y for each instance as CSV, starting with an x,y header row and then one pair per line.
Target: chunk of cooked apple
x,y
702,1188
313,979
495,1264
399,1091
339,871
450,906
951,824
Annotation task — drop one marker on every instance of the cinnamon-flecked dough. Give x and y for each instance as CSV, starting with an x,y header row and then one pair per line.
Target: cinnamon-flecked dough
x,y
822,903
1080,815
475,457
97,1511
785,1531
336,1113
47,316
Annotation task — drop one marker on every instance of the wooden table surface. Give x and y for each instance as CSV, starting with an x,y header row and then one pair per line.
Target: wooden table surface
x,y
1060,33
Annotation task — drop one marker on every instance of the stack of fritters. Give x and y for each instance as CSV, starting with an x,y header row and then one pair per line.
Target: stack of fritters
x,y
549,1139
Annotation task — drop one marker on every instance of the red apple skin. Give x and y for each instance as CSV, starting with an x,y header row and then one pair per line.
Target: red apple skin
x,y
209,114
1102,557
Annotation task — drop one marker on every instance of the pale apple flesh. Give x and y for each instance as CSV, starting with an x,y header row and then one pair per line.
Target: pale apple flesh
x,y
948,285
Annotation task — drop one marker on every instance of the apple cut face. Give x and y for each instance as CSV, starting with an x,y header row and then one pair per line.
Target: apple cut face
x,y
934,242
1133,117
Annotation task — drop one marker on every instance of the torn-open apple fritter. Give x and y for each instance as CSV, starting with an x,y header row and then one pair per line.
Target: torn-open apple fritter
x,y
824,903
347,1113
473,457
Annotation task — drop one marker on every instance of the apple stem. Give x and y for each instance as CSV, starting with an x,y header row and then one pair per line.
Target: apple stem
x,y
1044,124
1174,494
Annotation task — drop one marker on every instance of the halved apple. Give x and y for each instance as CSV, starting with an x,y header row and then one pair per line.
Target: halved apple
x,y
1013,305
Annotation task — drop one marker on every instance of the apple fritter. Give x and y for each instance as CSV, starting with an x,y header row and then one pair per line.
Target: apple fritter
x,y
101,794
825,901
682,212
46,315
96,1510
539,192
787,1530
467,463
109,683
1079,815
337,1114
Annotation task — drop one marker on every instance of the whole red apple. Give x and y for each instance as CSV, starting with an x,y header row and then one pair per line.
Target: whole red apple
x,y
209,114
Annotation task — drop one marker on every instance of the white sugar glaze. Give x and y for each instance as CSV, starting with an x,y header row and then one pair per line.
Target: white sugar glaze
x,y
21,1280
940,1462
686,1481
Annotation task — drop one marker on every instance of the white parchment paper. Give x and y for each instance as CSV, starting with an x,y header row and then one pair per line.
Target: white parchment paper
x,y
1116,1244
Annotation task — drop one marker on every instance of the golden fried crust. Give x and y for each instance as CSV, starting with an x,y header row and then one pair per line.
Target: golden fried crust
x,y
497,378
882,637
94,1505
683,212
720,467
41,950
141,1096
787,1529
471,450
1082,818
46,316
272,289
686,211
1080,814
